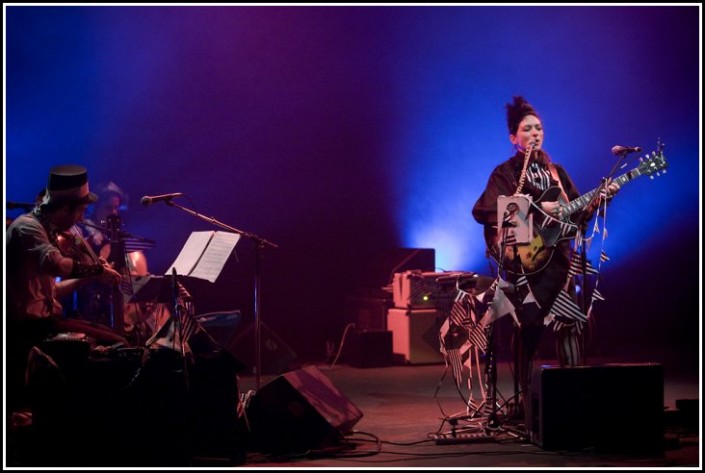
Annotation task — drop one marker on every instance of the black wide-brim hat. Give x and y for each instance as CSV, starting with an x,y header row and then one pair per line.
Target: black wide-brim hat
x,y
69,183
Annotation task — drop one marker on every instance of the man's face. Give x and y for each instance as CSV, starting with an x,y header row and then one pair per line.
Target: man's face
x,y
67,216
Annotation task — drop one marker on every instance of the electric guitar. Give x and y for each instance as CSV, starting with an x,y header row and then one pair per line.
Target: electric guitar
x,y
547,230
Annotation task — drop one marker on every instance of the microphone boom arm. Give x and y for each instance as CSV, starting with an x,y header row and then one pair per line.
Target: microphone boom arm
x,y
215,222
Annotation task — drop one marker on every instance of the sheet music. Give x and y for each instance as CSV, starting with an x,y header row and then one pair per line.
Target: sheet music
x,y
215,256
204,254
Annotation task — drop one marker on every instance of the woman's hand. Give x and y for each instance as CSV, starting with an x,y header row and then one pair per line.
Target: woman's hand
x,y
552,208
612,188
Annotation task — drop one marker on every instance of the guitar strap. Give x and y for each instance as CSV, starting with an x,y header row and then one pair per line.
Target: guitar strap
x,y
554,174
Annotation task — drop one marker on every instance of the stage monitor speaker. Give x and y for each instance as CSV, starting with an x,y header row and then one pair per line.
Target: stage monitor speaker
x,y
275,355
614,407
299,411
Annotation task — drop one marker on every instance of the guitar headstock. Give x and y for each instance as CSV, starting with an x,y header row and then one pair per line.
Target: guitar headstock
x,y
654,164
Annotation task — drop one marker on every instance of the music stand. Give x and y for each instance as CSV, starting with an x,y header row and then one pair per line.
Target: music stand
x,y
259,244
151,288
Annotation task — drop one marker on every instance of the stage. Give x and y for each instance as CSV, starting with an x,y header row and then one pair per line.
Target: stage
x,y
400,416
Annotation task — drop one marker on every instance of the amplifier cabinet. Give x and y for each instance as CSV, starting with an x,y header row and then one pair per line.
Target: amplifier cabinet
x,y
415,289
415,335
614,407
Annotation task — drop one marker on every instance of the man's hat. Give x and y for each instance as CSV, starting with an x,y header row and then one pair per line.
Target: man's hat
x,y
69,183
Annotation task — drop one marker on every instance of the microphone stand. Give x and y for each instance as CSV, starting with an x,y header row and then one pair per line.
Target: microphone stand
x,y
582,226
260,244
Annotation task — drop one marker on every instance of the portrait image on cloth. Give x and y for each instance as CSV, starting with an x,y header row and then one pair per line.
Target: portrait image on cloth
x,y
515,222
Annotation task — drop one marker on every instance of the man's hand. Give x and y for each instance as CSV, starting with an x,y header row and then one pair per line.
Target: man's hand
x,y
110,276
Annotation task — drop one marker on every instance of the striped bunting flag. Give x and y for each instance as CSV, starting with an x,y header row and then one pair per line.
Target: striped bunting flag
x,y
567,229
454,348
454,357
478,336
576,266
596,295
565,308
500,306
460,311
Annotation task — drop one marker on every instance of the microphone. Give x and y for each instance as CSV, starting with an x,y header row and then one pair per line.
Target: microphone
x,y
620,150
149,200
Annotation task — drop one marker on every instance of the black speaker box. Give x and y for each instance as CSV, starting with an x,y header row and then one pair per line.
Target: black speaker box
x,y
135,407
368,349
299,411
612,407
275,355
368,313
114,410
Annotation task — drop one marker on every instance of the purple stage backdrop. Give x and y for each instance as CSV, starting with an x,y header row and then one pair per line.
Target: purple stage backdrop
x,y
343,133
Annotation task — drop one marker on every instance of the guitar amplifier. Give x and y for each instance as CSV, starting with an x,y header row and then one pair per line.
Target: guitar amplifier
x,y
415,289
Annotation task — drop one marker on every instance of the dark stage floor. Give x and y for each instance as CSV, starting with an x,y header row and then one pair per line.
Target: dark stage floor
x,y
404,408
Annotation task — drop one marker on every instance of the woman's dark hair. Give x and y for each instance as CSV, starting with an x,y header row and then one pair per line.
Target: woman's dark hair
x,y
516,111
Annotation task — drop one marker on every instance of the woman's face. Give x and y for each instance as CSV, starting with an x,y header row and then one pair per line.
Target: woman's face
x,y
530,129
107,206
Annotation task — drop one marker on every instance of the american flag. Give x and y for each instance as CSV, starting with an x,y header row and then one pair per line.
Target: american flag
x,y
460,310
178,329
478,336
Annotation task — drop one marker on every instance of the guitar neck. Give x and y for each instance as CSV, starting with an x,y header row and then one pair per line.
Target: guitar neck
x,y
579,203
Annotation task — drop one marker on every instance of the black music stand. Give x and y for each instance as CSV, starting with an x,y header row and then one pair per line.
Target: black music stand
x,y
260,244
151,288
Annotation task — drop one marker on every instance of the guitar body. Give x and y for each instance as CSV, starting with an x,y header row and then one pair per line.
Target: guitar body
x,y
532,256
